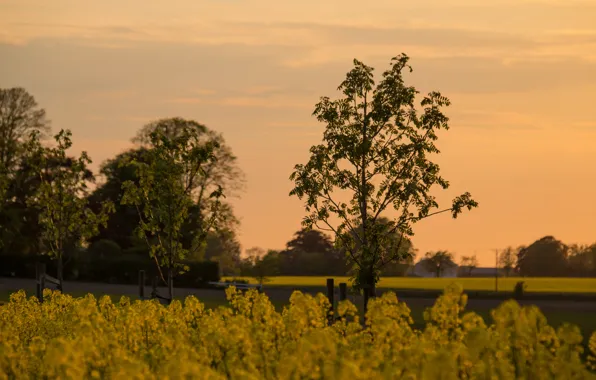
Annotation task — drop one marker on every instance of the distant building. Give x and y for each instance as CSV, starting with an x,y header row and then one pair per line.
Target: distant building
x,y
464,271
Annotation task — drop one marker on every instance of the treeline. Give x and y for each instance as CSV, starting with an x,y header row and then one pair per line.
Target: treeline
x,y
102,225
312,253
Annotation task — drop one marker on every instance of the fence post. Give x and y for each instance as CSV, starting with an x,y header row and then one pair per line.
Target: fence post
x,y
154,287
38,289
330,291
142,284
343,291
42,277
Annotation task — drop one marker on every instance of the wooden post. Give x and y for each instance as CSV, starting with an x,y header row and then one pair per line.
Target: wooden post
x,y
343,291
42,278
330,290
142,284
38,289
154,287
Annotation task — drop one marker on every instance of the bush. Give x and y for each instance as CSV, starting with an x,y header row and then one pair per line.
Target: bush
x,y
104,249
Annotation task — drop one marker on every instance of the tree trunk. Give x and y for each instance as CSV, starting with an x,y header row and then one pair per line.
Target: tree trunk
x,y
170,284
60,274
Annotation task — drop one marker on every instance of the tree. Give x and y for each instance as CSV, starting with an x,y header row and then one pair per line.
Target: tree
x,y
220,173
264,263
438,262
403,258
223,246
311,252
468,263
3,187
374,137
508,258
122,224
21,231
61,198
546,257
19,116
173,167
582,260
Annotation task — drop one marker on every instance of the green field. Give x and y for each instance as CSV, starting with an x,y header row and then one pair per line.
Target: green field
x,y
534,284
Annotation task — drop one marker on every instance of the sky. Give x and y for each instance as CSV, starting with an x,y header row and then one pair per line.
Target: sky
x,y
521,76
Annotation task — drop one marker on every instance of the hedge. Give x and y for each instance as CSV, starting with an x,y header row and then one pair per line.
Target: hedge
x,y
123,269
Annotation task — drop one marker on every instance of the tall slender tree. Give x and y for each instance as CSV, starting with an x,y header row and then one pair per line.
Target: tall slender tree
x,y
61,197
375,147
162,197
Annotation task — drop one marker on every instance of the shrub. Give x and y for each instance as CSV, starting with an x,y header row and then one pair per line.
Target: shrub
x,y
104,249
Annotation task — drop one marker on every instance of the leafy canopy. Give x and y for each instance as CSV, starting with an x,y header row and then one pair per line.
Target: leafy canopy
x,y
61,196
376,147
166,177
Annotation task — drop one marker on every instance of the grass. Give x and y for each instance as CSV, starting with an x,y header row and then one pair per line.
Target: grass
x,y
534,284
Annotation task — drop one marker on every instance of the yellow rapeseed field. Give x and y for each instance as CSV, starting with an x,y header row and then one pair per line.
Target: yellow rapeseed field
x,y
77,338
534,284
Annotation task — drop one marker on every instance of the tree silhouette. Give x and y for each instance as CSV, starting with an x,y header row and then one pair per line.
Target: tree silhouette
x,y
508,259
19,116
546,257
375,148
437,262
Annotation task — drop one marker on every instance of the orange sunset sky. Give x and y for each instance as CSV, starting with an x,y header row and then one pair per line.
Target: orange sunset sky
x,y
521,76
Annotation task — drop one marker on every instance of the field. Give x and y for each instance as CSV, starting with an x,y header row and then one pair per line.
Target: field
x,y
279,289
538,284
87,338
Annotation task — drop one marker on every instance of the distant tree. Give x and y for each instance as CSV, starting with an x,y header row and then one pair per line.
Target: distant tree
x,y
264,263
4,180
508,259
19,116
546,257
61,197
437,262
222,172
468,263
162,199
223,246
400,262
374,137
582,260
3,186
123,223
311,252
